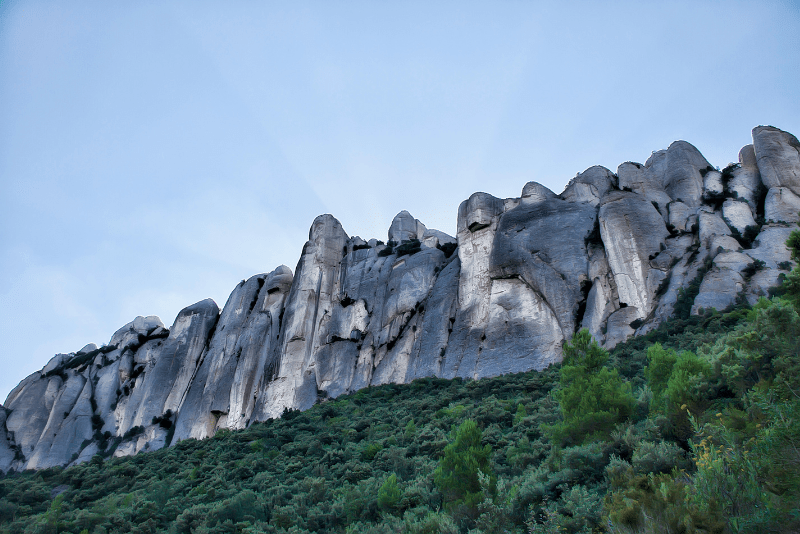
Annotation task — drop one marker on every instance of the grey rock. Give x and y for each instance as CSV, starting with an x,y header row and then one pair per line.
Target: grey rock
x,y
679,216
129,334
646,182
711,224
478,217
439,315
68,425
735,261
760,284
153,438
745,180
781,205
691,258
602,300
778,156
29,410
405,227
720,243
633,233
87,348
55,362
544,244
86,454
6,453
431,238
105,395
522,332
164,387
309,301
712,184
208,398
589,186
619,326
534,193
682,180
257,347
478,212
770,245
738,215
719,289
528,273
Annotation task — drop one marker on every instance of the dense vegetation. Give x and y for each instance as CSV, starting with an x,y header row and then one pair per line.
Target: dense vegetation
x,y
694,427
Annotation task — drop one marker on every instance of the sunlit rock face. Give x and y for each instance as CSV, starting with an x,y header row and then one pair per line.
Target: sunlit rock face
x,y
611,253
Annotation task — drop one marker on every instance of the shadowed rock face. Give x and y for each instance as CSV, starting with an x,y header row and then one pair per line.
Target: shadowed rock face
x,y
610,253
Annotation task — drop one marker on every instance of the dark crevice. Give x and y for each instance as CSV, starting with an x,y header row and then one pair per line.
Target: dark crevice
x,y
586,287
474,227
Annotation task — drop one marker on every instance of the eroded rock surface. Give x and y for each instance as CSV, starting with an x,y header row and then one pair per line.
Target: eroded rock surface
x,y
611,253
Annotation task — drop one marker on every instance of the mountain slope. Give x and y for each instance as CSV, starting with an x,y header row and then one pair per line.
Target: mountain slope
x,y
612,253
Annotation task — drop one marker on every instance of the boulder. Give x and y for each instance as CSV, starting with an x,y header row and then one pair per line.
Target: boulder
x,y
89,347
680,216
722,243
618,328
778,157
56,362
646,182
534,193
719,289
129,334
478,217
744,180
781,205
589,186
735,261
433,238
682,179
405,227
712,184
738,215
711,224
760,284
68,425
208,398
770,246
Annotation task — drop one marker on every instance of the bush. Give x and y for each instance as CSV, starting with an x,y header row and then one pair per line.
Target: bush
x,y
389,494
592,396
409,248
457,474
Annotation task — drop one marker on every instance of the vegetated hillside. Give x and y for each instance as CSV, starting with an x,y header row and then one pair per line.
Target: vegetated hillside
x,y
692,428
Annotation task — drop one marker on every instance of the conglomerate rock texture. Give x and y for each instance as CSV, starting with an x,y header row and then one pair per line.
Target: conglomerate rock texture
x,y
611,253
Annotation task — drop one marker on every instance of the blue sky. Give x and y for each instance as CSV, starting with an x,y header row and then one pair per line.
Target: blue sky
x,y
153,154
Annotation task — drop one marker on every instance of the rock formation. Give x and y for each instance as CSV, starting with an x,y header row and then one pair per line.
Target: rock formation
x,y
611,253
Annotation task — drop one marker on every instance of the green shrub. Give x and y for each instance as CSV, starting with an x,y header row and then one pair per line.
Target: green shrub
x,y
409,248
389,494
592,396
456,477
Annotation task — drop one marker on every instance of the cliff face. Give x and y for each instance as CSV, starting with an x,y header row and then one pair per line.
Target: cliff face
x,y
610,254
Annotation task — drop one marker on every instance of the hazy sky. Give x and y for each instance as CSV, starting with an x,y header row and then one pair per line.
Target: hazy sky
x,y
153,154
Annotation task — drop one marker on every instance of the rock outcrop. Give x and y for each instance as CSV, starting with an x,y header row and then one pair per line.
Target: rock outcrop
x,y
611,253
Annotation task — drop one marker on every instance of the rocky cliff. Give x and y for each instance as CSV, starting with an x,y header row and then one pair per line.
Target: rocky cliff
x,y
611,253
